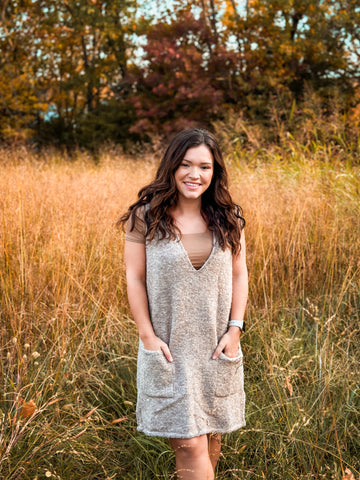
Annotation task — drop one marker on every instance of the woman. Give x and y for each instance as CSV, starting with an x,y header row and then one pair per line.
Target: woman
x,y
187,288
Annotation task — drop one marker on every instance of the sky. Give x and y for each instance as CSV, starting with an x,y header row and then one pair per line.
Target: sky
x,y
158,8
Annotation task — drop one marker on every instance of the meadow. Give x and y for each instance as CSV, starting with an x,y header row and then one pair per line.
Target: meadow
x,y
68,342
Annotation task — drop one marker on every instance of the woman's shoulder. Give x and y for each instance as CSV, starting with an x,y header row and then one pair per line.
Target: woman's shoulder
x,y
140,211
136,226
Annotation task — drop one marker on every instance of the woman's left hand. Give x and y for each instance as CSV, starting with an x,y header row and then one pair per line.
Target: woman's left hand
x,y
229,344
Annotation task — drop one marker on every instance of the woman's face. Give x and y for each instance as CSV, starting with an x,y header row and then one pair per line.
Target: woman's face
x,y
194,174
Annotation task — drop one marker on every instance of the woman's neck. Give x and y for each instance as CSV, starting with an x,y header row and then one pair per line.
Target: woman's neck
x,y
185,206
187,216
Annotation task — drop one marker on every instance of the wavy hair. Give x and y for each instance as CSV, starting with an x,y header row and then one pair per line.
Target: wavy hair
x,y
223,217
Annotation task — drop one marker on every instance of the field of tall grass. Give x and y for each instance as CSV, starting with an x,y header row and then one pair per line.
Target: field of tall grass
x,y
68,342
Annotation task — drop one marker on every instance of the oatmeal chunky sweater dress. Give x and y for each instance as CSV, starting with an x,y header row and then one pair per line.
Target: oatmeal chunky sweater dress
x,y
189,310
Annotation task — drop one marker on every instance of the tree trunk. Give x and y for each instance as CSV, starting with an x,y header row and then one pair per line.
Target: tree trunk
x,y
89,88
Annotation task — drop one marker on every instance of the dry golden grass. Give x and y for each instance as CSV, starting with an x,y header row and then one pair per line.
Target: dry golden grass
x,y
68,344
60,247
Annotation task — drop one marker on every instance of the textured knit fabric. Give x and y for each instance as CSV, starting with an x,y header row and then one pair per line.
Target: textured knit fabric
x,y
197,245
189,310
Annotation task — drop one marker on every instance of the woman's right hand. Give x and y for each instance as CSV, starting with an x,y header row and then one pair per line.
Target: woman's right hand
x,y
155,343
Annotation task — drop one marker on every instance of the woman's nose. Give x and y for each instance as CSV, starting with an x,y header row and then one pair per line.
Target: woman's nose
x,y
194,172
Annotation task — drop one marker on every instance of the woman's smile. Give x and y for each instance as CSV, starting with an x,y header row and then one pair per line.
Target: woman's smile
x,y
192,185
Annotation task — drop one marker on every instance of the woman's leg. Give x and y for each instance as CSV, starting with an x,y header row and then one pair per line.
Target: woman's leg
x,y
214,440
192,458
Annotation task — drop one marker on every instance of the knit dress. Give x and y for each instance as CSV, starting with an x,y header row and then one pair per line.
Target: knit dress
x,y
189,310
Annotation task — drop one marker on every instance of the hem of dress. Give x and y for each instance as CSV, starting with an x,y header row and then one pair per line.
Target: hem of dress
x,y
176,435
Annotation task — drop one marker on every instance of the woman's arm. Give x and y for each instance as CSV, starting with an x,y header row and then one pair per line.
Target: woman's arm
x,y
239,285
135,263
229,343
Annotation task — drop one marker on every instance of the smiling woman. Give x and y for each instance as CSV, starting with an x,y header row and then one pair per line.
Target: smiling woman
x,y
187,288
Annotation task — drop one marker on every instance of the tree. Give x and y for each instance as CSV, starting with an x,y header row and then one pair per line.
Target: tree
x,y
86,47
21,99
175,90
63,61
348,18
289,44
69,71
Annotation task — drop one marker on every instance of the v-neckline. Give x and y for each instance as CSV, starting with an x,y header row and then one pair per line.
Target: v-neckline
x,y
186,255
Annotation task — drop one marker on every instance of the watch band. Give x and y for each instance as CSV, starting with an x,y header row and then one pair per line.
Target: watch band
x,y
237,323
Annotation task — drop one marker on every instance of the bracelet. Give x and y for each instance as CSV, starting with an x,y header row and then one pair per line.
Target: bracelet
x,y
238,323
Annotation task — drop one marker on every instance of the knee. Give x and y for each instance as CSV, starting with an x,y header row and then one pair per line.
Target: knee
x,y
192,448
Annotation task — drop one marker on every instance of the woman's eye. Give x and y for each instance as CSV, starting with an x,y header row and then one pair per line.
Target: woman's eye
x,y
206,168
184,164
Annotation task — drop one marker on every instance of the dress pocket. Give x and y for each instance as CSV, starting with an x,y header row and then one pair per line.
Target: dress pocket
x,y
229,375
156,373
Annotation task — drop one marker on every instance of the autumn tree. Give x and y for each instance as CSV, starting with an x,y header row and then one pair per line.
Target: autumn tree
x,y
21,99
172,86
86,46
63,64
72,72
348,18
289,44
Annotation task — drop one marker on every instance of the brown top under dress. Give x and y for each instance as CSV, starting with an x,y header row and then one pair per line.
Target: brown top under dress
x,y
197,245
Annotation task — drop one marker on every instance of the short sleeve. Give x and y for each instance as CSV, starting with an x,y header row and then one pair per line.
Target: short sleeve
x,y
137,234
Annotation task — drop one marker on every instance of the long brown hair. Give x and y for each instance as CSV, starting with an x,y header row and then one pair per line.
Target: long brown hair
x,y
221,214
